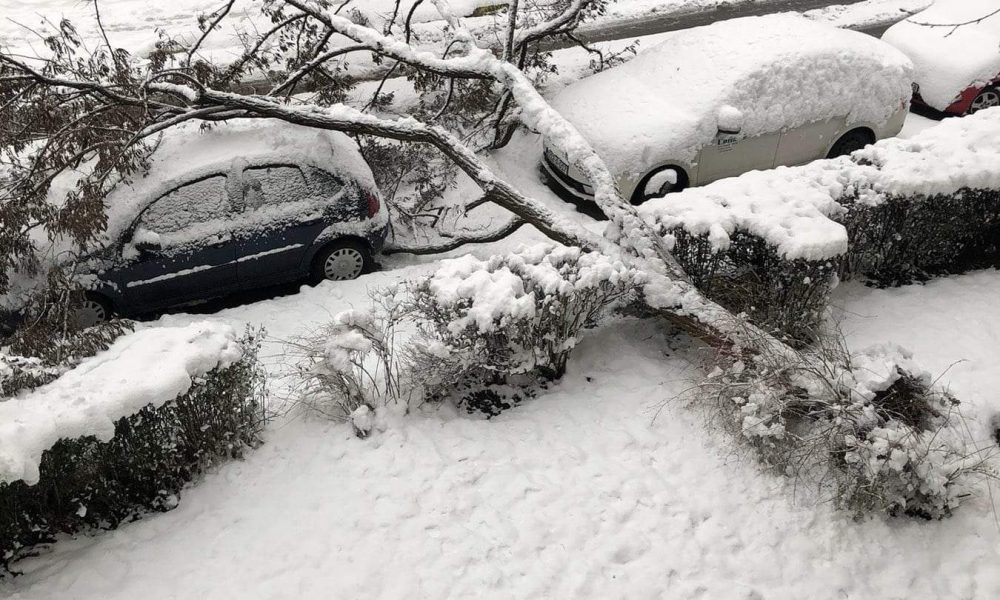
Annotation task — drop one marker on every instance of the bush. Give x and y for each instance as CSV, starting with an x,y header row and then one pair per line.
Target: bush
x,y
868,427
355,364
787,298
481,333
510,320
87,484
901,240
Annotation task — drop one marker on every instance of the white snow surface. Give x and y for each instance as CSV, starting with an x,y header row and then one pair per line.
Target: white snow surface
x,y
669,96
948,60
585,492
149,366
791,207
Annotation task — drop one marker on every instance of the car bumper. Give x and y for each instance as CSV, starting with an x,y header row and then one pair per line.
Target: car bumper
x,y
564,183
376,238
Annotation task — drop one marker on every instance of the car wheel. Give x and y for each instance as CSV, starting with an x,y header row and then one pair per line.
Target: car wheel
x,y
92,310
850,142
987,98
659,183
342,260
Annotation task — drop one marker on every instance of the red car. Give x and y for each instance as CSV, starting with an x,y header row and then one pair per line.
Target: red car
x,y
955,49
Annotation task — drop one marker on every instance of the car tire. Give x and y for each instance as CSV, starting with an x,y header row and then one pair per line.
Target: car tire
x,y
850,142
642,194
342,260
987,98
92,310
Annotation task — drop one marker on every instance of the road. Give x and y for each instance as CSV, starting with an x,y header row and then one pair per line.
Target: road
x,y
651,23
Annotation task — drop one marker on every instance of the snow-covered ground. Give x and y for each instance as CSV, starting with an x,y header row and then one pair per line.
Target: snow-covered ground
x,y
606,486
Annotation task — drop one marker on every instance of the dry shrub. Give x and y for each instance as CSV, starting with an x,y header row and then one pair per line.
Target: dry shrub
x,y
869,430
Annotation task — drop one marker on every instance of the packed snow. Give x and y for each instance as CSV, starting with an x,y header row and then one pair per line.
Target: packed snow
x,y
950,49
147,367
768,73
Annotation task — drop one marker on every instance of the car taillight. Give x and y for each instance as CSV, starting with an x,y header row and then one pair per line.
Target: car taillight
x,y
373,204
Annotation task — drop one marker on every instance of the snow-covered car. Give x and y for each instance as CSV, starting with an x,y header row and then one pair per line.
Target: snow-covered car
x,y
735,96
955,49
240,206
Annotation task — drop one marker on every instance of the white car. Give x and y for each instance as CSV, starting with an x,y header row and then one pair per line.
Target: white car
x,y
738,95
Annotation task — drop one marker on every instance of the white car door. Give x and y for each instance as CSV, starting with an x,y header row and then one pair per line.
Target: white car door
x,y
808,142
733,154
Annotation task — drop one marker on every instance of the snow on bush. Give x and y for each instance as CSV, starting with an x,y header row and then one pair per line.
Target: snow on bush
x,y
870,428
801,211
121,434
480,332
488,322
356,365
148,367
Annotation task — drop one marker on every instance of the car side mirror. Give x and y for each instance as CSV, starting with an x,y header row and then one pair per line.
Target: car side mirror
x,y
730,120
148,246
146,241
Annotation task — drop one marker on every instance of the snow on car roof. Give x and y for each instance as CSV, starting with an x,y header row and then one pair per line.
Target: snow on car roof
x,y
780,70
189,152
949,59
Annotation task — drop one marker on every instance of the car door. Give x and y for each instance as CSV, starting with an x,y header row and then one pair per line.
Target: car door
x,y
731,154
808,142
283,213
181,247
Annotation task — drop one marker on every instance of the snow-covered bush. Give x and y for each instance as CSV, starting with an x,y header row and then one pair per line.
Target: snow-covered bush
x,y
869,429
100,479
356,364
490,324
482,333
787,298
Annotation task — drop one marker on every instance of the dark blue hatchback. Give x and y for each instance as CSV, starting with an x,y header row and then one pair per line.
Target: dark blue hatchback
x,y
250,222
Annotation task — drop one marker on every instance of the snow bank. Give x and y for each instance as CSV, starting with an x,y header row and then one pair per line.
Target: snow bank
x,y
795,209
771,68
150,366
947,60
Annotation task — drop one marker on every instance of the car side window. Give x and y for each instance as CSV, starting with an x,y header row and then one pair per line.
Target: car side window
x,y
274,184
197,202
324,184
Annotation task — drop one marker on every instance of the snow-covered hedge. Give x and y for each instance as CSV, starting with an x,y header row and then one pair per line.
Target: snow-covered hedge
x,y
121,433
893,212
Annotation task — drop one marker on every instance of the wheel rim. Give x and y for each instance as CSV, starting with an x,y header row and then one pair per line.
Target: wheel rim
x,y
343,263
667,187
90,313
986,99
